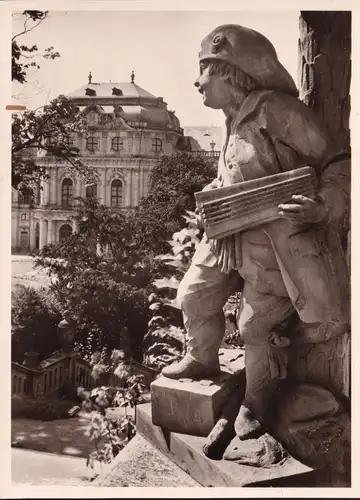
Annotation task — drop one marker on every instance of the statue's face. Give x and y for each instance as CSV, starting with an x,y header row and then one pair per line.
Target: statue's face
x,y
214,89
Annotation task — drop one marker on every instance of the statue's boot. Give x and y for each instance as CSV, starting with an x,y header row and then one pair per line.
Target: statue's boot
x,y
246,426
189,367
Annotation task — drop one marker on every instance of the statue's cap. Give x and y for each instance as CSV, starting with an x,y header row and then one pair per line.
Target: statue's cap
x,y
250,51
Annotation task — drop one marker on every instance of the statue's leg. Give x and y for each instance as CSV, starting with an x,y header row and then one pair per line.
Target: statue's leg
x,y
202,295
265,365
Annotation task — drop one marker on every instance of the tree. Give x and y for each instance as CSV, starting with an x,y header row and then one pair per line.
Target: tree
x,y
173,183
23,57
101,281
48,130
34,320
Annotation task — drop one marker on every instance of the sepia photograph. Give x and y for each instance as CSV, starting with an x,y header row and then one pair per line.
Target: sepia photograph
x,y
180,247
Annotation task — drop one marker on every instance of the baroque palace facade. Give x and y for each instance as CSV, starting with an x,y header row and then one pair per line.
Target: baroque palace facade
x,y
128,130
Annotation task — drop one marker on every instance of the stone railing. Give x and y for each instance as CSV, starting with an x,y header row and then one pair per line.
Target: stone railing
x,y
50,376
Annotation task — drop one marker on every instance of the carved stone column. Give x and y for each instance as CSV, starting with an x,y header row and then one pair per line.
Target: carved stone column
x,y
325,70
324,81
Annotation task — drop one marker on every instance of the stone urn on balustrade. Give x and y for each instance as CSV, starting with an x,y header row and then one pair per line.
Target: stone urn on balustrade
x,y
66,331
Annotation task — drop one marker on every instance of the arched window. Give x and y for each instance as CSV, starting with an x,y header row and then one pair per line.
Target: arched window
x,y
117,144
91,191
66,193
92,143
157,145
65,231
116,193
25,196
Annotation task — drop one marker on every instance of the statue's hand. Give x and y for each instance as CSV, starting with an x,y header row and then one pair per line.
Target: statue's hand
x,y
209,187
304,210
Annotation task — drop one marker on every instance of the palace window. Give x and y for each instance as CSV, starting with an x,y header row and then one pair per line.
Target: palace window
x,y
116,193
117,144
25,196
65,231
157,145
92,143
66,193
91,191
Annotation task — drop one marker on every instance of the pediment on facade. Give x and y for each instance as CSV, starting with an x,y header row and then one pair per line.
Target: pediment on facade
x,y
93,108
116,173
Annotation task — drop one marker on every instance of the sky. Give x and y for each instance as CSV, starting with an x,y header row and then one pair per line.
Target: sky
x,y
160,46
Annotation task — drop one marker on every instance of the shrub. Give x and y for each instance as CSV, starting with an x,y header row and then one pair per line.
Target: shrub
x,y
110,436
35,315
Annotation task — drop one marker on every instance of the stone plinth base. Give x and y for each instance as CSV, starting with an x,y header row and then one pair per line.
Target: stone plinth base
x,y
186,452
193,407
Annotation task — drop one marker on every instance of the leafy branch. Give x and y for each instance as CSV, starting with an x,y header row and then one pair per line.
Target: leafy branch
x,y
21,52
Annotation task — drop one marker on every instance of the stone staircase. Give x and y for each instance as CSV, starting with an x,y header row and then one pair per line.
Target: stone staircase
x,y
172,430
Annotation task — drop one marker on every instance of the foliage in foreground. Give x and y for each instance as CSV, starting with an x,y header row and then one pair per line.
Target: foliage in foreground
x,y
108,435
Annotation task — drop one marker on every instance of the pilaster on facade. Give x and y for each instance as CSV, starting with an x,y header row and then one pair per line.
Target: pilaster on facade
x,y
102,194
49,231
42,232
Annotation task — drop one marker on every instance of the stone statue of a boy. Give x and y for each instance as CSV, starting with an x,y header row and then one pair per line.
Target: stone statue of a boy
x,y
291,271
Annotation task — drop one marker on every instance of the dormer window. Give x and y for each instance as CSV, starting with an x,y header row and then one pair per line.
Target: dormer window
x,y
117,144
116,91
90,92
92,143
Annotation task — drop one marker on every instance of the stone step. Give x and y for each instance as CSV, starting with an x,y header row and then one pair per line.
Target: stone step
x,y
142,464
186,451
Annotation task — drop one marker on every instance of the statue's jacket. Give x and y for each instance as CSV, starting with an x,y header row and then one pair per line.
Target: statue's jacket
x,y
274,132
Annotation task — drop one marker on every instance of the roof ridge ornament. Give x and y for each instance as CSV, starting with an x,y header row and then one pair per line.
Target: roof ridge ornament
x,y
132,76
90,77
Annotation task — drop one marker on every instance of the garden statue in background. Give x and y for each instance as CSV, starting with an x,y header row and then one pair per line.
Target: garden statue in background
x,y
292,271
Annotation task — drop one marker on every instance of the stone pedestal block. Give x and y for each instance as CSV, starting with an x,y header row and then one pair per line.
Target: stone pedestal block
x,y
186,452
193,407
